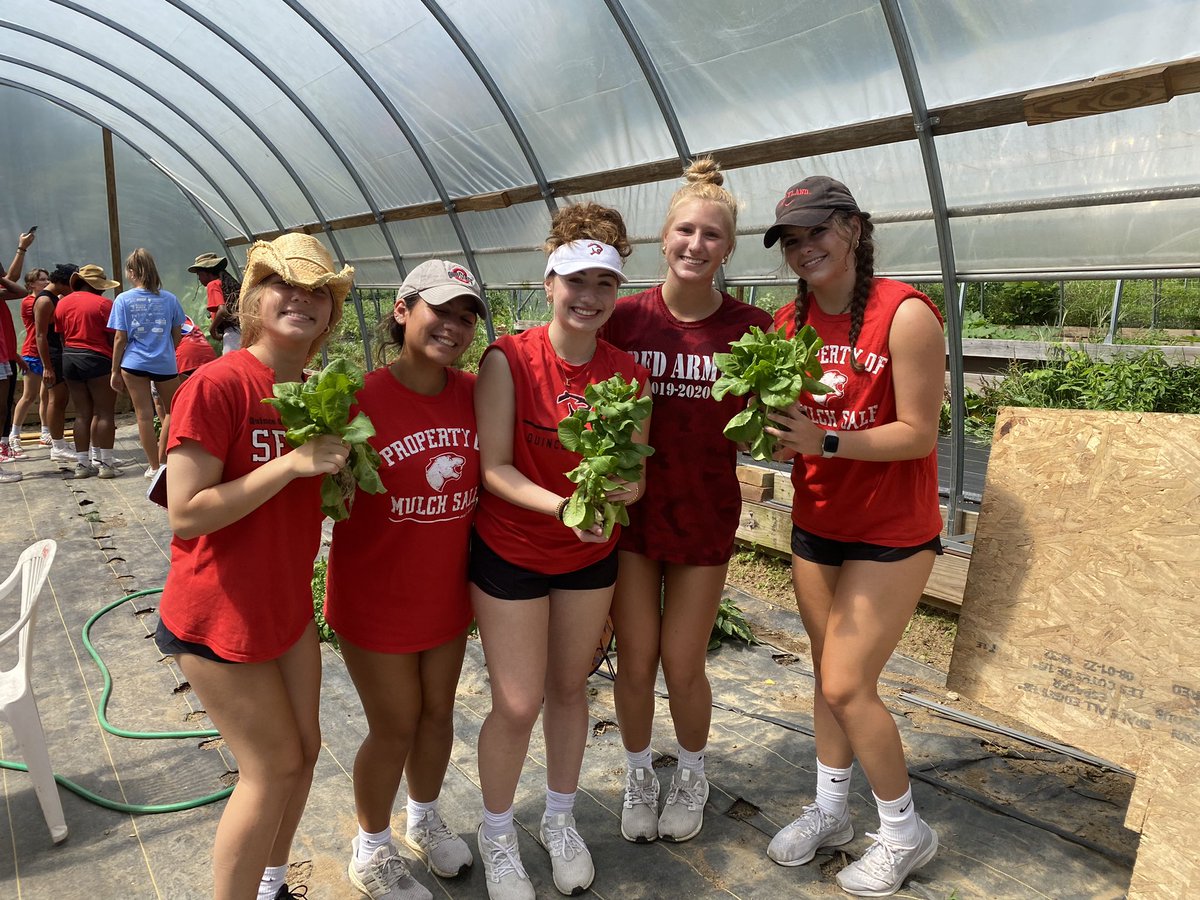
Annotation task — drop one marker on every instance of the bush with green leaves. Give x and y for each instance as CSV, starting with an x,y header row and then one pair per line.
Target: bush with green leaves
x,y
603,436
324,632
1022,303
731,623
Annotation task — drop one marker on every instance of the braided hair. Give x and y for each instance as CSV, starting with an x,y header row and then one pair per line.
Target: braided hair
x,y
864,277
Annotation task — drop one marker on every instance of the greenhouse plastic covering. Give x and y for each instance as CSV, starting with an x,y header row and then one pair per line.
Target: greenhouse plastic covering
x,y
397,131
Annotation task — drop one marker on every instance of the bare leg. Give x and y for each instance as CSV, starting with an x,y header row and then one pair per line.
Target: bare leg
x,y
430,753
143,408
692,596
637,621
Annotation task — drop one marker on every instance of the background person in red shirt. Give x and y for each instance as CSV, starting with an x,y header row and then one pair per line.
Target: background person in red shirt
x,y
404,645
36,280
222,291
81,318
50,350
10,359
676,550
236,611
542,591
865,517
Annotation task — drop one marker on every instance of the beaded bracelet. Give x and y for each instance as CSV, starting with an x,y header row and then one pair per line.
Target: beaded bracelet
x,y
561,510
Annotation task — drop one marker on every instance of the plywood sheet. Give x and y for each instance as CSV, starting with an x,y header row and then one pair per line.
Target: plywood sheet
x,y
1080,609
1168,865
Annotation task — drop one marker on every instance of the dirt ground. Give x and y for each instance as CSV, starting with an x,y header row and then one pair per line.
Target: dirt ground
x,y
929,637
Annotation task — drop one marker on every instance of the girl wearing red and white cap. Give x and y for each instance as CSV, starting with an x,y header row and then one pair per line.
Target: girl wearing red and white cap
x,y
865,517
403,643
541,590
676,550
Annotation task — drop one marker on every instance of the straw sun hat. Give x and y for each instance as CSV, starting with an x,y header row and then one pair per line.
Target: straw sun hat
x,y
95,277
298,259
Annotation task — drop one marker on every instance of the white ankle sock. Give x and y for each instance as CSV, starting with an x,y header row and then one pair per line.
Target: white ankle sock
x,y
694,761
641,760
898,821
60,445
81,456
417,810
106,456
369,842
833,789
559,804
497,825
273,878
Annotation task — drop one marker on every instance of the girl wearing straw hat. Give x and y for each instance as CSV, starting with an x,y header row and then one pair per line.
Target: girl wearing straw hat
x,y
242,632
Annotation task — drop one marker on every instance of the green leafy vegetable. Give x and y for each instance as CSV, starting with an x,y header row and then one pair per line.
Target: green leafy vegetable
x,y
603,436
773,370
321,405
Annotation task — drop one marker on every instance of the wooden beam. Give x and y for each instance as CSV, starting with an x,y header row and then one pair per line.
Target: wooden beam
x,y
114,220
1118,90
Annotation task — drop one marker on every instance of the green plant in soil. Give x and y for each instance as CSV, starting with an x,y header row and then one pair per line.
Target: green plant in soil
x,y
321,405
730,623
773,370
603,437
324,632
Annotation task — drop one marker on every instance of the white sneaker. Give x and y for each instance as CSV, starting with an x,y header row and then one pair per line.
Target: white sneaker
x,y
8,476
882,869
797,843
446,854
107,470
639,814
150,472
502,869
65,458
14,446
683,812
83,470
385,876
44,439
570,860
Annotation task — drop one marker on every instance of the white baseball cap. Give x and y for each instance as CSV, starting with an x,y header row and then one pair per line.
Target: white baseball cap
x,y
579,255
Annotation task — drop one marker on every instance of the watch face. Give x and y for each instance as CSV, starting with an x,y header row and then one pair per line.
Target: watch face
x,y
830,445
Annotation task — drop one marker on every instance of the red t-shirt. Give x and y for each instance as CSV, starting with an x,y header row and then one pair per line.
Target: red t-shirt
x,y
894,504
398,565
81,317
216,296
8,336
29,348
547,391
244,590
193,351
692,504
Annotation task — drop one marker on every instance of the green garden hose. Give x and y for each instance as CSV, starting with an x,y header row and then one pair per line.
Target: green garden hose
x,y
102,717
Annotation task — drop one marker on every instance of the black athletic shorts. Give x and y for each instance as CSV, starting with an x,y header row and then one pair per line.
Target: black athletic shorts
x,y
828,552
497,577
79,364
153,376
169,645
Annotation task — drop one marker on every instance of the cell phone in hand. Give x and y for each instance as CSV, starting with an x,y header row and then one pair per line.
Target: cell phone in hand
x,y
32,229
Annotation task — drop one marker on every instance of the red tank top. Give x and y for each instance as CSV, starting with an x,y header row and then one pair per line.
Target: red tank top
x,y
894,504
547,391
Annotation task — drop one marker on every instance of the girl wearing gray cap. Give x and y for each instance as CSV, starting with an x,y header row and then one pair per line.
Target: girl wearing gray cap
x,y
865,517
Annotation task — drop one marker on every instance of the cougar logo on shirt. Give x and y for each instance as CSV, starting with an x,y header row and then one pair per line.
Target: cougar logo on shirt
x,y
835,381
444,468
572,400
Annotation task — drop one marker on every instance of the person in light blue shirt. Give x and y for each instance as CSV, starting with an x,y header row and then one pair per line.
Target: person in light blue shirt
x,y
148,323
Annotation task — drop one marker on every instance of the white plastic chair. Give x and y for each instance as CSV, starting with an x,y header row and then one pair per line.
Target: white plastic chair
x,y
17,703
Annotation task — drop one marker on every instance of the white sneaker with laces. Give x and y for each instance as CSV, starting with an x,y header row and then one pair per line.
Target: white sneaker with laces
x,y
797,843
502,869
882,869
683,812
83,470
385,876
8,476
45,440
639,814
570,860
14,447
106,470
446,854
150,472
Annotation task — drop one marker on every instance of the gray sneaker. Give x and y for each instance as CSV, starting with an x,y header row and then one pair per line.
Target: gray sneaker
x,y
798,843
83,470
446,854
639,814
570,859
105,470
683,812
502,869
385,876
882,869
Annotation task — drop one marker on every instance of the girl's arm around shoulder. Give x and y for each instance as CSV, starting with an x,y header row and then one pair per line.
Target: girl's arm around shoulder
x,y
198,502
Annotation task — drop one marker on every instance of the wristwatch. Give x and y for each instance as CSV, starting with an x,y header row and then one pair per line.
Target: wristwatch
x,y
829,446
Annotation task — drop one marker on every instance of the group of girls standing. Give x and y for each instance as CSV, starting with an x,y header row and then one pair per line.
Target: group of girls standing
x,y
540,590
81,345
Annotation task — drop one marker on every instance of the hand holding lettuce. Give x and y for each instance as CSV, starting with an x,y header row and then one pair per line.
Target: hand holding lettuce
x,y
321,405
603,436
773,370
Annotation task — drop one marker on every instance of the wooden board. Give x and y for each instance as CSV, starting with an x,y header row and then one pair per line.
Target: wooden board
x,y
1079,613
1168,863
